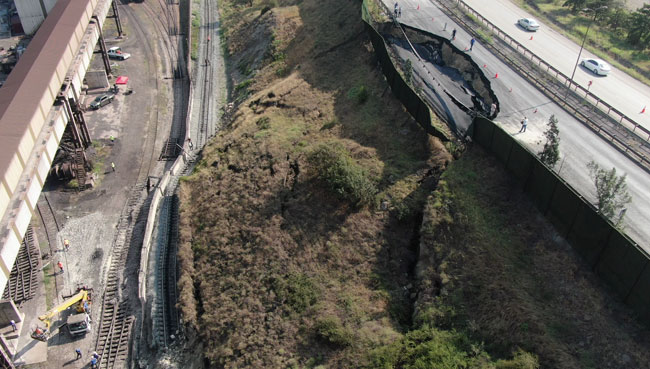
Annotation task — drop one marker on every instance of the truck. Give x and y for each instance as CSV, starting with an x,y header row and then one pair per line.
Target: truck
x,y
78,324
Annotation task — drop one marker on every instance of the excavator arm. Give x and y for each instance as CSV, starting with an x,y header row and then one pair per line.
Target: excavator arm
x,y
46,318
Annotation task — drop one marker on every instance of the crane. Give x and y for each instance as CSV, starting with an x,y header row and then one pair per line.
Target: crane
x,y
77,324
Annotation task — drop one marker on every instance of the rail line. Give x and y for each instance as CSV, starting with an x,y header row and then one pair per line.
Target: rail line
x,y
51,228
208,75
116,318
22,280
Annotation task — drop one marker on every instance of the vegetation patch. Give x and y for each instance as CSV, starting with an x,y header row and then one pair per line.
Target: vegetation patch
x,y
342,174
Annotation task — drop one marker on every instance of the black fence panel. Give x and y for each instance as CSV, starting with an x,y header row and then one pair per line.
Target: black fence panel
x,y
501,145
589,234
541,185
621,264
483,132
520,163
639,297
563,209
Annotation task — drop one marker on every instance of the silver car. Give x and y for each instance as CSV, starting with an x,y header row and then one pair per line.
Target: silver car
x,y
597,66
102,100
528,24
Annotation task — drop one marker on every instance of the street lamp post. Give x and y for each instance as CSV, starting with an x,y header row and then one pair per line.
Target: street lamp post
x,y
583,45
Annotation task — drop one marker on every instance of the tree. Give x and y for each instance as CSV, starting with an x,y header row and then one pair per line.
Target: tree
x,y
575,5
638,33
611,191
550,154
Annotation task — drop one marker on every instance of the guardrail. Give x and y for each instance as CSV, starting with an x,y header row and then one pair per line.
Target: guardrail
x,y
614,113
618,129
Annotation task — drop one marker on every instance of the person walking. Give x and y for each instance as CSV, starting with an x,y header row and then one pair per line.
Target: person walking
x,y
471,43
453,34
93,363
13,325
78,351
66,244
524,124
60,265
113,166
112,138
96,355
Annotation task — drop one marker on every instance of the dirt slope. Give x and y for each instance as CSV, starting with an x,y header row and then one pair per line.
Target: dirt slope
x,y
302,225
285,271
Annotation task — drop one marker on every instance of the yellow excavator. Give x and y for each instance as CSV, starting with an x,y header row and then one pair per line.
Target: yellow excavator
x,y
78,324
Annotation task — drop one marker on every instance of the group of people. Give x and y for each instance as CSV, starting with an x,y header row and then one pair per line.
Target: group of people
x,y
398,10
94,359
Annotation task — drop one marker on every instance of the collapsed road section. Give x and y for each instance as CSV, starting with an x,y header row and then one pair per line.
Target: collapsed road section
x,y
456,87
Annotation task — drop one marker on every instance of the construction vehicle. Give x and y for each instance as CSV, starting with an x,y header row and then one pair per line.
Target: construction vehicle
x,y
78,324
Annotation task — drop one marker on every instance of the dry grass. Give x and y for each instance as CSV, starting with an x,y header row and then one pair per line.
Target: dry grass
x,y
255,218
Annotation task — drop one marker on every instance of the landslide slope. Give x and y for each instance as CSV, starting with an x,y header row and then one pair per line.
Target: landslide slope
x,y
315,233
299,226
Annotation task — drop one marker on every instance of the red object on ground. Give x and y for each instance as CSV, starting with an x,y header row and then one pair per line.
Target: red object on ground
x,y
418,6
496,75
122,80
643,110
531,37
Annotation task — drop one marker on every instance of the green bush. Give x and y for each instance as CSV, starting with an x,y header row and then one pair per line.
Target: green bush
x,y
263,122
343,175
297,290
331,330
432,348
359,93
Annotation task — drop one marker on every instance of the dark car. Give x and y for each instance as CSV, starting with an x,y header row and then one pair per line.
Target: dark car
x,y
102,100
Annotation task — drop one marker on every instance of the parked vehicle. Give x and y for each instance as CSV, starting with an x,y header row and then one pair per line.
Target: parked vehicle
x,y
117,53
102,100
528,24
597,66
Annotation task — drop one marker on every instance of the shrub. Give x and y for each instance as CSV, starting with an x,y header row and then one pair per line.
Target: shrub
x,y
331,330
611,191
343,175
428,347
359,93
263,122
298,290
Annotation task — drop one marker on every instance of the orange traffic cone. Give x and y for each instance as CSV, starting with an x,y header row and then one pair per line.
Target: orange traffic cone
x,y
484,65
418,6
642,110
496,75
531,37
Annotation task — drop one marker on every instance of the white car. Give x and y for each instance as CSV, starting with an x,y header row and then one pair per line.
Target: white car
x,y
117,53
597,66
528,24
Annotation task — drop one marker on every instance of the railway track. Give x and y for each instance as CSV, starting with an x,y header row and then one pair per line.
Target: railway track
x,y
208,76
23,278
51,228
116,318
166,318
117,312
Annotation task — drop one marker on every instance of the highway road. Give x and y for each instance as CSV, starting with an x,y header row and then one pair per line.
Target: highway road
x,y
578,145
618,89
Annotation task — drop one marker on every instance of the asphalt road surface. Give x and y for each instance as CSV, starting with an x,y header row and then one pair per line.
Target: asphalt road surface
x,y
618,89
518,98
